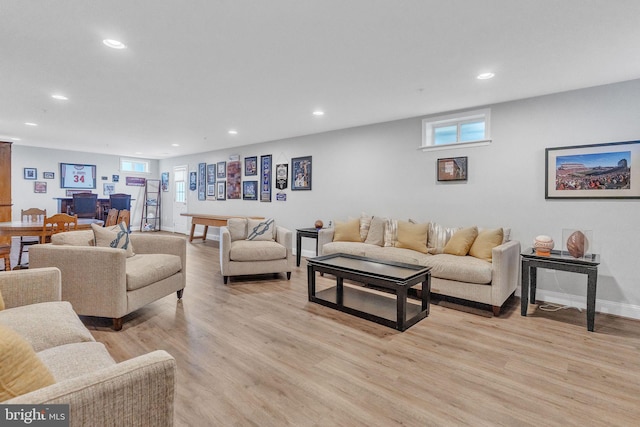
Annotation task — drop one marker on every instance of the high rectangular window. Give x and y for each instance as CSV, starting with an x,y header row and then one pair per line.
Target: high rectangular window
x,y
471,127
134,165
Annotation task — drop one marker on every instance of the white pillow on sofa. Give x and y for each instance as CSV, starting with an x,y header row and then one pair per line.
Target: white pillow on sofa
x,y
261,230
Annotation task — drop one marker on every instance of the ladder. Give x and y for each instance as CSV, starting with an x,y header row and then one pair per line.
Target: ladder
x,y
151,212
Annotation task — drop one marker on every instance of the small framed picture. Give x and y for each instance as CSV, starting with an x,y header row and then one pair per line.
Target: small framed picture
x,y
115,178
250,190
39,187
221,191
250,166
108,188
221,169
48,175
452,169
301,173
30,173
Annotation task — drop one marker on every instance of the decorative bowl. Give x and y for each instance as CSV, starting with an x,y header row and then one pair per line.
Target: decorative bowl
x,y
543,245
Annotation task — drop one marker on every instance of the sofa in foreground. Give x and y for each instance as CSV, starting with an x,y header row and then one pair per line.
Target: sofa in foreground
x,y
49,357
103,281
479,265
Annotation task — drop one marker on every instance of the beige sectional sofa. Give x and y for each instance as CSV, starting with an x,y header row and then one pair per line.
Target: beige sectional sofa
x,y
81,373
489,279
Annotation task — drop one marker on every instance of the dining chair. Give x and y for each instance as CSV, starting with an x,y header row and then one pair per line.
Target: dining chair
x,y
58,223
5,253
85,205
124,215
30,215
120,201
112,217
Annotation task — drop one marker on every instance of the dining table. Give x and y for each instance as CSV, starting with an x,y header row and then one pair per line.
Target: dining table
x,y
34,228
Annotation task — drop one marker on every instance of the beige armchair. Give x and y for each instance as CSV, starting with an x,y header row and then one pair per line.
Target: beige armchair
x,y
104,282
255,246
98,390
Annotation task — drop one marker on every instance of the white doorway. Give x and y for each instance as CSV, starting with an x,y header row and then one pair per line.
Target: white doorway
x,y
180,181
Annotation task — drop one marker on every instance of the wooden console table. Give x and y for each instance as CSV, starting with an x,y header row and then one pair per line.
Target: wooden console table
x,y
210,220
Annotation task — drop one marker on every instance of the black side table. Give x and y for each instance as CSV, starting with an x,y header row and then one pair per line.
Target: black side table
x,y
311,233
557,261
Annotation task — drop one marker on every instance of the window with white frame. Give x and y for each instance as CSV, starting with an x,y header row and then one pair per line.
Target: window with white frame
x,y
134,165
468,128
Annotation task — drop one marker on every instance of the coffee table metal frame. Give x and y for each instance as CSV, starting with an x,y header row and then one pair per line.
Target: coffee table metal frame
x,y
363,302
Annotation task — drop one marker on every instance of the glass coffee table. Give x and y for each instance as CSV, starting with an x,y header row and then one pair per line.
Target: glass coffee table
x,y
364,302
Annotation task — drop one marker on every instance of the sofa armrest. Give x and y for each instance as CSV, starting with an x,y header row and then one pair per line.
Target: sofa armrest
x,y
284,236
225,250
325,235
32,286
506,271
139,391
94,279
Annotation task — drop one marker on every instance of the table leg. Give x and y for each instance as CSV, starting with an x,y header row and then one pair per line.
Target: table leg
x,y
524,292
339,291
426,294
311,281
401,308
193,229
533,284
592,277
204,236
298,248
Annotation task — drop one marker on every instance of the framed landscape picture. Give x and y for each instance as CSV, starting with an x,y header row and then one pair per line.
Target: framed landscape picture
x,y
301,173
598,171
452,169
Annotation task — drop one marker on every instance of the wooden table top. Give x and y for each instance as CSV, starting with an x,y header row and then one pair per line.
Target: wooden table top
x,y
219,217
28,228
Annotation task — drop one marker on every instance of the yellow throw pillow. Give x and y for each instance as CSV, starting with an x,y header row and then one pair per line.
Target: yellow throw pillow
x,y
485,242
113,237
21,371
412,236
461,241
347,231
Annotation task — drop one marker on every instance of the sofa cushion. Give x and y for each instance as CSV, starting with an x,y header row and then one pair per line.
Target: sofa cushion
x,y
347,231
390,233
47,324
76,359
245,250
412,236
351,248
237,228
375,236
439,235
460,268
145,269
365,224
74,238
405,256
485,242
461,241
261,229
21,371
113,237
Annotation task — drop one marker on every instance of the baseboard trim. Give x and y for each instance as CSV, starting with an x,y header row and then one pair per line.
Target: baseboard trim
x,y
602,306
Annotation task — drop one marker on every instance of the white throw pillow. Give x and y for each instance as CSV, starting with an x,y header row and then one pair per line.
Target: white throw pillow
x,y
261,230
113,237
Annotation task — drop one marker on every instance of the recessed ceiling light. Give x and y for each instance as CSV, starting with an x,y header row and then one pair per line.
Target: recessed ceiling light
x,y
318,113
485,76
15,139
233,132
138,152
175,145
114,44
60,97
30,124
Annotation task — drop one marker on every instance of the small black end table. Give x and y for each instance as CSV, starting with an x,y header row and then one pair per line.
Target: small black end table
x,y
311,233
557,261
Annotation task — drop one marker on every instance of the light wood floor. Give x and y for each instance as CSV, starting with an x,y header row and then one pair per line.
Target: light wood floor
x,y
257,353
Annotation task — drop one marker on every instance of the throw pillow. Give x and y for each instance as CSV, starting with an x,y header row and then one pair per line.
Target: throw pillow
x,y
375,236
461,241
347,231
237,228
113,237
412,236
390,233
485,242
261,230
439,235
21,371
1,302
365,224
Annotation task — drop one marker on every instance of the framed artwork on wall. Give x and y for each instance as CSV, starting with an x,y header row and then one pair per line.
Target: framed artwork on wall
x,y
452,169
165,181
202,191
234,179
30,173
251,166
282,176
193,181
221,190
48,175
301,173
221,170
250,190
74,175
265,182
108,188
39,187
598,171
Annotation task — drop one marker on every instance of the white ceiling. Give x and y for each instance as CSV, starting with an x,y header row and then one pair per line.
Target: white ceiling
x,y
195,69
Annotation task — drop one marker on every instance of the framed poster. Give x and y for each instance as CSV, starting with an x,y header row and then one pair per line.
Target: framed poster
x,y
282,176
193,181
135,181
73,175
165,181
250,166
30,173
211,181
452,169
301,173
108,189
40,187
234,179
250,190
265,182
599,171
202,191
221,170
221,190
48,175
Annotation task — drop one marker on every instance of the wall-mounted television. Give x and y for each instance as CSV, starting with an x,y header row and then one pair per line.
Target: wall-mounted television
x,y
73,175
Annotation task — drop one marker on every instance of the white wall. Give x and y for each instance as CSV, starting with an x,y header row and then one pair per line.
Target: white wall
x,y
378,169
48,160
